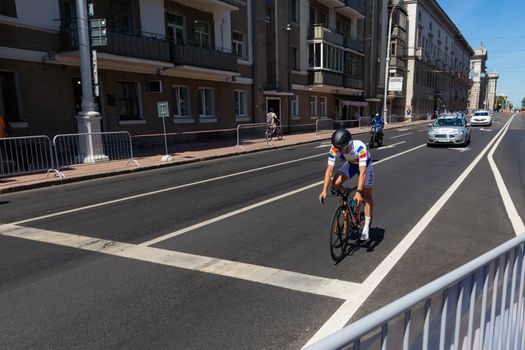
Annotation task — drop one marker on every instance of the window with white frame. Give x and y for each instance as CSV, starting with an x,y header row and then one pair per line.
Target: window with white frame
x,y
295,106
313,106
322,55
128,100
176,30
181,106
238,44
240,103
322,106
202,35
205,102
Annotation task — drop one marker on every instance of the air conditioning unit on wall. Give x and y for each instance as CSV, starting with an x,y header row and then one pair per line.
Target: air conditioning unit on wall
x,y
155,86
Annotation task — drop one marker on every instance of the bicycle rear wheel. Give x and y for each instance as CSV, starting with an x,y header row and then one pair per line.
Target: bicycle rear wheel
x,y
338,233
269,135
279,134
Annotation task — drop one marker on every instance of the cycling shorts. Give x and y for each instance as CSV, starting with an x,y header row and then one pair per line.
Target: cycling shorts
x,y
349,170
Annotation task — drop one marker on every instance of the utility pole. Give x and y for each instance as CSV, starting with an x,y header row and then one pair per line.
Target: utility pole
x,y
88,119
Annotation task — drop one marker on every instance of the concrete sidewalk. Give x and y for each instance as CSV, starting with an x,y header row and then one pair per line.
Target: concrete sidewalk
x,y
184,153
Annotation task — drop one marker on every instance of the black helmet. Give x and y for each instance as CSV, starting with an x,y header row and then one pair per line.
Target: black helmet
x,y
341,137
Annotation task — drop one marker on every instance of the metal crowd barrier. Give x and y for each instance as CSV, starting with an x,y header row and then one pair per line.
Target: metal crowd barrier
x,y
91,148
251,133
480,305
346,123
364,121
26,155
324,126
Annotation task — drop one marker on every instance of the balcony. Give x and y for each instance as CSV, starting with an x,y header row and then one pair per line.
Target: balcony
x,y
325,78
204,58
397,62
127,45
353,83
319,32
398,32
357,5
354,44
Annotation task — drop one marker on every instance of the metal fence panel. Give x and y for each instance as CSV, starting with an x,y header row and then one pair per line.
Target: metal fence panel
x,y
248,134
324,126
25,155
477,306
91,148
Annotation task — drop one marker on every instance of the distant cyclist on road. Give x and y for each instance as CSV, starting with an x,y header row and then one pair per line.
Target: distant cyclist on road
x,y
272,120
357,161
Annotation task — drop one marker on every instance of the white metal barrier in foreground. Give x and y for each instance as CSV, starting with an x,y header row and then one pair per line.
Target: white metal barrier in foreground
x,y
90,148
477,306
26,155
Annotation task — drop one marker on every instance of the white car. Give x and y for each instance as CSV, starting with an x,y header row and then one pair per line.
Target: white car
x,y
481,118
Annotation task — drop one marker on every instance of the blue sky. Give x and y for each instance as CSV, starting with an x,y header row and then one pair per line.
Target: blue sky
x,y
499,24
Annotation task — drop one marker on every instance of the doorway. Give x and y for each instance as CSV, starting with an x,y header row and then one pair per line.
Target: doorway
x,y
275,103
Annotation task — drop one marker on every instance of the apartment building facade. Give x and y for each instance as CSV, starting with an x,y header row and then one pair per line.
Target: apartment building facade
x,y
217,62
438,61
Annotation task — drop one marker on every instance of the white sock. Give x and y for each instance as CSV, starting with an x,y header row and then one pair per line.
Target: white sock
x,y
367,223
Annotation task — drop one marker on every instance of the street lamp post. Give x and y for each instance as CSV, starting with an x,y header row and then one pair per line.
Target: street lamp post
x,y
387,62
88,119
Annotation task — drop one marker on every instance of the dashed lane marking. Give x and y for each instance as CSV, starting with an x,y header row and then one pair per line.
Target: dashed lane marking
x,y
395,137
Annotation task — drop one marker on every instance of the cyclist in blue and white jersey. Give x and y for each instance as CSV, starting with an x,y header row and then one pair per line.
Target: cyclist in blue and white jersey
x,y
357,161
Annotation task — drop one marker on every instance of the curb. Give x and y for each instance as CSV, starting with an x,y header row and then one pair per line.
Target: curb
x,y
79,178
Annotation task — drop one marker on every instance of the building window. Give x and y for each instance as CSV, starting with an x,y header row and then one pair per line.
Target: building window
x,y
205,102
313,106
322,55
202,36
240,103
181,102
128,101
176,31
295,58
294,10
238,44
8,8
322,106
8,97
122,16
295,106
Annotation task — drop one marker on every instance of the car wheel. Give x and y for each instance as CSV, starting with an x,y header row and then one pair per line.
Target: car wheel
x,y
429,144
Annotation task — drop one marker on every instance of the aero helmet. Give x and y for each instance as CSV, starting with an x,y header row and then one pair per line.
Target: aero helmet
x,y
341,137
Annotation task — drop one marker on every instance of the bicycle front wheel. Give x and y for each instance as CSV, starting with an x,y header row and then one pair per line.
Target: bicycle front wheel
x,y
338,233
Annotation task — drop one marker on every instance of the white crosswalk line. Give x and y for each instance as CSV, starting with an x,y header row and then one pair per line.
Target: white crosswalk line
x,y
259,274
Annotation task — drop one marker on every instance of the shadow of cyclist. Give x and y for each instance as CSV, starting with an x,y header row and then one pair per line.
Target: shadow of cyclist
x,y
377,235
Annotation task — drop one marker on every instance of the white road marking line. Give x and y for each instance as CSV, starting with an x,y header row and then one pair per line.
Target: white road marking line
x,y
162,191
259,274
392,145
515,219
253,206
403,129
225,216
381,271
464,149
395,137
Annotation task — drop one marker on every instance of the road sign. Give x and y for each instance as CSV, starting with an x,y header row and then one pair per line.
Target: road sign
x,y
395,84
162,109
98,32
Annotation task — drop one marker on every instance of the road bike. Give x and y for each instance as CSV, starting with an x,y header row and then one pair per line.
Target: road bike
x,y
271,133
347,224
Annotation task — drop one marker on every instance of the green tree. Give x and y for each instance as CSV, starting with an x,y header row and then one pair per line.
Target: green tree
x,y
523,103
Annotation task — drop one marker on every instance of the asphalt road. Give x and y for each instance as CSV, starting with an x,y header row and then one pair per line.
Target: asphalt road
x,y
233,253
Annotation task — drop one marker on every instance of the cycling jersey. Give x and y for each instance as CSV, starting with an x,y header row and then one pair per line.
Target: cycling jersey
x,y
358,154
